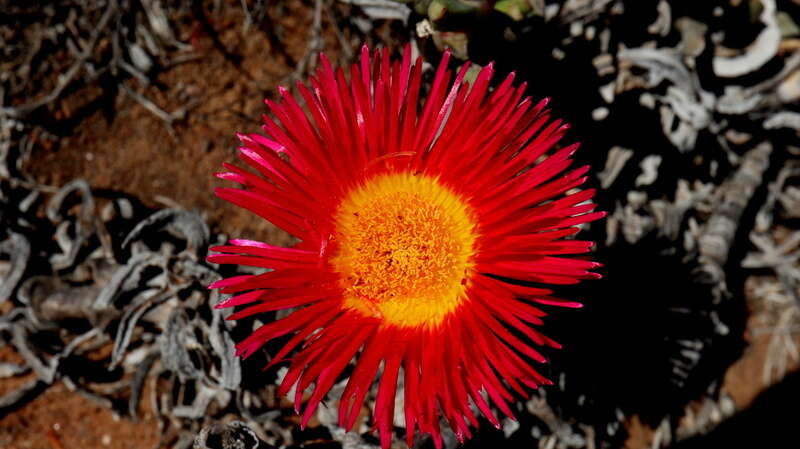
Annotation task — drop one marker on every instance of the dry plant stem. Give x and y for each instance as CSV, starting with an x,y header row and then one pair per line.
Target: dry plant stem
x,y
315,44
165,116
19,250
782,258
782,348
67,78
248,21
13,398
791,64
346,50
734,195
561,432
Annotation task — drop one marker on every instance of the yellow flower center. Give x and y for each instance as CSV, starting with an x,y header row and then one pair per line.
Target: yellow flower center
x,y
405,247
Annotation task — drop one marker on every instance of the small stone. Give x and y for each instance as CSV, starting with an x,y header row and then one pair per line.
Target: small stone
x,y
607,91
590,33
600,113
576,29
550,11
647,100
649,168
604,63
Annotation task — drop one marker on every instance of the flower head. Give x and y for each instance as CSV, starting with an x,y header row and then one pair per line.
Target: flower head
x,y
424,235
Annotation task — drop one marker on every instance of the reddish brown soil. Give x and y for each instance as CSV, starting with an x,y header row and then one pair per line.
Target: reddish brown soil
x,y
8,355
639,434
137,153
745,378
61,419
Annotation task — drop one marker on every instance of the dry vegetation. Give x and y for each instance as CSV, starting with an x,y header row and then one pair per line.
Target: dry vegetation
x,y
114,114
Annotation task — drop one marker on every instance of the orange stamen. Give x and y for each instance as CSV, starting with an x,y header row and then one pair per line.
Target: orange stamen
x,y
405,245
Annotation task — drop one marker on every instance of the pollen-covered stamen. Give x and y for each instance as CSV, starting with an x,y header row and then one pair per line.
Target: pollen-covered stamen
x,y
405,246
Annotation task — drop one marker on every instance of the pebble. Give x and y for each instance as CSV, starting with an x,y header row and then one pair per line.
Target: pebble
x,y
600,113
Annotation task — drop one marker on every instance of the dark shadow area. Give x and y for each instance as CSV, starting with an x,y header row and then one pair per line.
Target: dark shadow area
x,y
624,349
487,436
651,337
319,433
768,422
25,398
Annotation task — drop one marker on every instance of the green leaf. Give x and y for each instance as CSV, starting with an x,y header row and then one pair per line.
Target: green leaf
x,y
516,9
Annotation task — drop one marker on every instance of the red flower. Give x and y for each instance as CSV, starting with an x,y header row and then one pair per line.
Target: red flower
x,y
417,228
